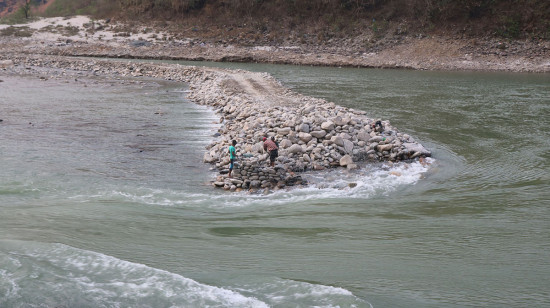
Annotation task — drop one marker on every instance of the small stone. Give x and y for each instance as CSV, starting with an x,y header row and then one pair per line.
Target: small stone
x,y
284,131
305,137
295,148
376,139
304,127
384,147
348,146
318,167
346,160
318,134
339,141
327,126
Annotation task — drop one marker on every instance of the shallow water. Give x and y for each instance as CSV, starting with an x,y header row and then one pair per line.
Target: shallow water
x,y
103,201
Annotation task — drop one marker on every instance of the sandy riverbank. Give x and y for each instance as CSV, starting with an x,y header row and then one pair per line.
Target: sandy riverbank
x,y
80,36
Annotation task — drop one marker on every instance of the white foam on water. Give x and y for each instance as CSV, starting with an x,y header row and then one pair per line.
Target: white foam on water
x,y
57,274
366,182
52,275
280,292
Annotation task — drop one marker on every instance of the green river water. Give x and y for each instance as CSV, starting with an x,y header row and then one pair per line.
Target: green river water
x,y
104,202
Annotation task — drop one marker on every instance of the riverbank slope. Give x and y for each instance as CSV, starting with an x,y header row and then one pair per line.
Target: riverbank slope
x,y
82,36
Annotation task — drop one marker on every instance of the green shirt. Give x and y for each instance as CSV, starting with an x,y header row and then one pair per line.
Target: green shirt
x,y
232,152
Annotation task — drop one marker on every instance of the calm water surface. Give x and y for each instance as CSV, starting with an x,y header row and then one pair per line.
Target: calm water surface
x,y
103,201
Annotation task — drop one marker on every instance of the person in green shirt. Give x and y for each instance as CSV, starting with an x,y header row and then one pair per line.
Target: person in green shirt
x,y
232,155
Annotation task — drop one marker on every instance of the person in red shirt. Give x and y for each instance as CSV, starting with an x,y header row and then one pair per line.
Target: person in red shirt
x,y
271,146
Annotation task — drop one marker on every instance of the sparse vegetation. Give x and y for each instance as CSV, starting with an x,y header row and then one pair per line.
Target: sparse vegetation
x,y
97,8
70,30
512,19
313,20
17,31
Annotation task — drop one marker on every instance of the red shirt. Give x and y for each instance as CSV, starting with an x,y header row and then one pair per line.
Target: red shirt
x,y
270,145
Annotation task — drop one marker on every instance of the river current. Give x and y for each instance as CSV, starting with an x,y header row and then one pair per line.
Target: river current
x,y
105,202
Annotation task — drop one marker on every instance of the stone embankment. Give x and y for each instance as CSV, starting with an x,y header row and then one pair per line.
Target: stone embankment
x,y
313,134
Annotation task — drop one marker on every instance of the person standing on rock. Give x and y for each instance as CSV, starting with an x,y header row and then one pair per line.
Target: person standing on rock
x,y
232,155
271,146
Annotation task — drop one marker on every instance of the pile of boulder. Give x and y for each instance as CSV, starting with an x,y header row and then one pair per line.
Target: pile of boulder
x,y
312,134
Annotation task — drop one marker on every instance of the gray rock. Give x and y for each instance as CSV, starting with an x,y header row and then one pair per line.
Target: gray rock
x,y
255,184
346,160
304,127
416,150
305,137
284,131
340,121
236,182
318,134
295,148
339,141
348,146
363,136
285,143
207,158
328,126
376,139
384,147
308,109
258,147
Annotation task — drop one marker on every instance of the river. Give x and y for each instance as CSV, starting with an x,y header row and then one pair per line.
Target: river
x,y
104,199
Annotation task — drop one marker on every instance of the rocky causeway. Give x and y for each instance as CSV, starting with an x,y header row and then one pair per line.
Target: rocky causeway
x,y
313,134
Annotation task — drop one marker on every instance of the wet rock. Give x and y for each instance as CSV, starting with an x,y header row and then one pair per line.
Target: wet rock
x,y
416,150
346,160
208,158
219,184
